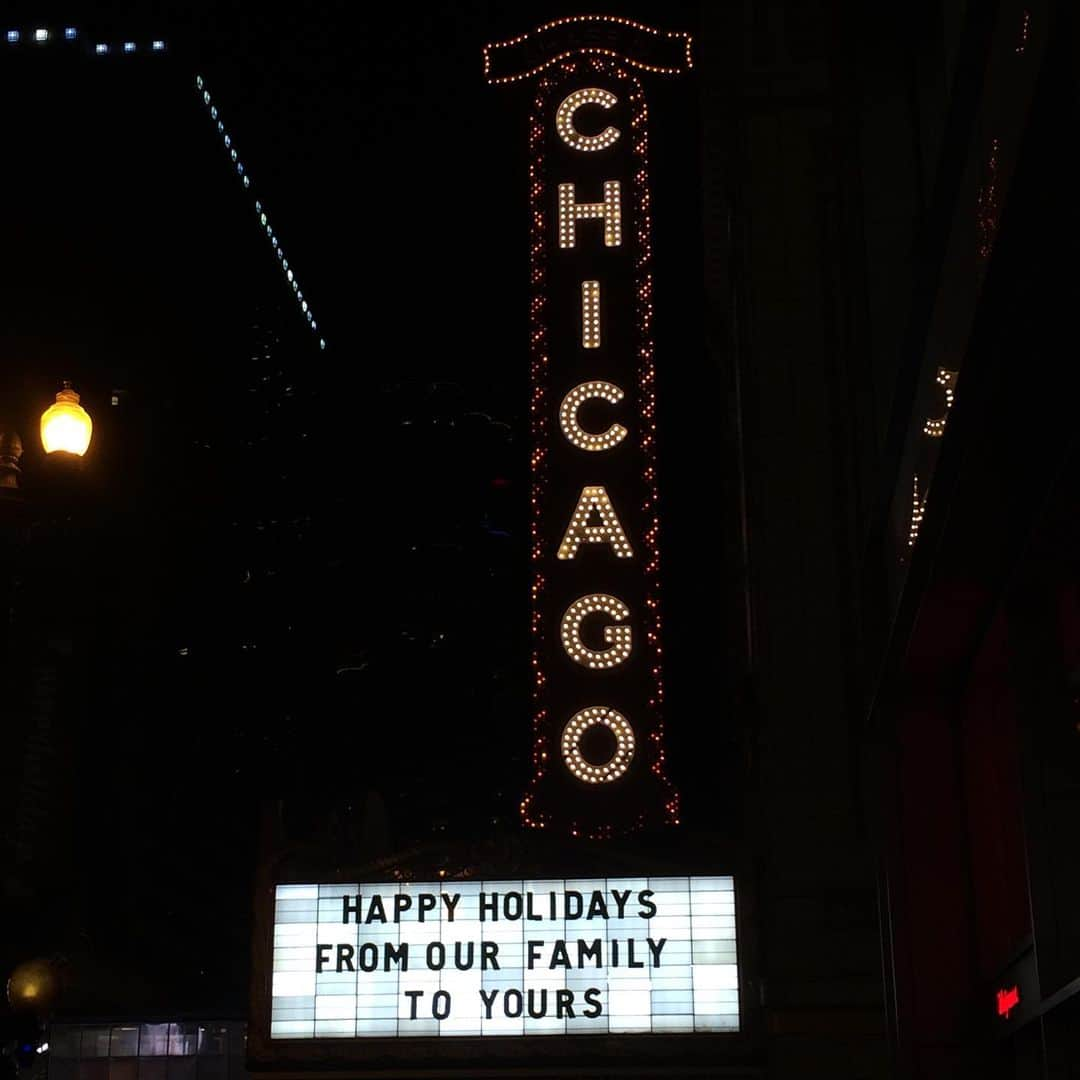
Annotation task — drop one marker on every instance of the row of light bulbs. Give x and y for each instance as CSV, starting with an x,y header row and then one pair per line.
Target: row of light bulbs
x,y
43,35
597,54
245,179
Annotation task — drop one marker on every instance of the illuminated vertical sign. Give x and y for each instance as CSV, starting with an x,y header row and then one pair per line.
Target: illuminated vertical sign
x,y
598,751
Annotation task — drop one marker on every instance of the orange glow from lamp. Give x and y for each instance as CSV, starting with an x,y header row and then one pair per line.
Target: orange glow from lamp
x,y
66,425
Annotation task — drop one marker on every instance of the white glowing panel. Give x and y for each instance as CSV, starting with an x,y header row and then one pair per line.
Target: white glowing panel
x,y
590,956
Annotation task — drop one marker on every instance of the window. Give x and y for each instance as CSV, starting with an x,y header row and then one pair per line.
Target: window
x,y
95,1042
213,1040
183,1039
64,1042
153,1040
124,1041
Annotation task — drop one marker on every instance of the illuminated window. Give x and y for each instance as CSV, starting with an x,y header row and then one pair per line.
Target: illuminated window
x,y
619,761
129,46
618,638
590,314
183,1039
568,419
158,45
610,209
564,120
594,502
41,35
101,48
70,33
153,1040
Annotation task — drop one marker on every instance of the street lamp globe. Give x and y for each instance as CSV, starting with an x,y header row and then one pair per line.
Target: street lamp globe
x,y
66,425
33,987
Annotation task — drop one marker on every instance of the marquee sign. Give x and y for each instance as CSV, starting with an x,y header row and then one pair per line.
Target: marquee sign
x,y
598,751
489,958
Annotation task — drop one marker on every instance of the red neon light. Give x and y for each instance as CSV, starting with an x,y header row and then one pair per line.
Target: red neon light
x,y
1007,1000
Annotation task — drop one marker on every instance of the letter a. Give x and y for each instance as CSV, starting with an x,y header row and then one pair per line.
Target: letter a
x,y
594,499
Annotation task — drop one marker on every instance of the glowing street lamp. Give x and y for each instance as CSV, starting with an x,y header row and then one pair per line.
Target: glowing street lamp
x,y
66,425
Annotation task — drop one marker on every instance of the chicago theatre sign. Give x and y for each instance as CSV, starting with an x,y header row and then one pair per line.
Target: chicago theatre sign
x,y
598,750
492,957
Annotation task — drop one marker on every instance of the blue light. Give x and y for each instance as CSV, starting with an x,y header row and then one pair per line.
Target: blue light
x,y
158,45
247,182
13,37
70,33
228,141
101,48
198,82
129,46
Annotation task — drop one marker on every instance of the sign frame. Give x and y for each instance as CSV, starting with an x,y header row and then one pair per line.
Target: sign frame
x,y
435,1055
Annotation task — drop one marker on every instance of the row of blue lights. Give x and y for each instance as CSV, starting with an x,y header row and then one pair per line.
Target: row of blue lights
x,y
245,179
42,35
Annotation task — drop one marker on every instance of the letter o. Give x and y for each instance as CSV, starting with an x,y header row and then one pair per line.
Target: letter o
x,y
617,764
436,949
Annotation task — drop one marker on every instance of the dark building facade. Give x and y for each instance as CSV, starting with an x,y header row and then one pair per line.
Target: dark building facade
x,y
882,290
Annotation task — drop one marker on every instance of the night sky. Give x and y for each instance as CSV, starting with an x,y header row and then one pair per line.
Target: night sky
x,y
302,574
